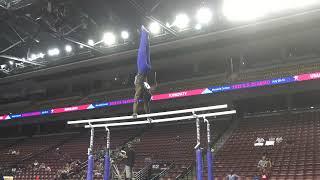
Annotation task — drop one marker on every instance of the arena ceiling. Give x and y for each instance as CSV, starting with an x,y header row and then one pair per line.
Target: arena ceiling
x,y
39,34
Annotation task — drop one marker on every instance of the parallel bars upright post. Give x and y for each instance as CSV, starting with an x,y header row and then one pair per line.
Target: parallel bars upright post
x,y
107,157
209,153
198,149
90,157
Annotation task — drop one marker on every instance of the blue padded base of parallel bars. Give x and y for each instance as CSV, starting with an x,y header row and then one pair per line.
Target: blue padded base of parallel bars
x,y
106,167
90,167
199,164
210,164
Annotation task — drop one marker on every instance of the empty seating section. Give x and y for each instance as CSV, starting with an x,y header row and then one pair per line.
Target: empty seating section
x,y
296,157
17,106
56,103
30,149
278,72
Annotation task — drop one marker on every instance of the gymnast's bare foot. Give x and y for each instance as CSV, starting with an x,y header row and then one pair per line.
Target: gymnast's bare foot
x,y
135,115
150,120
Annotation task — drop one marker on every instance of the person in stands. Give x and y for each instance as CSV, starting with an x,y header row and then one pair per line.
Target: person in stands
x,y
129,161
256,177
264,176
262,164
232,176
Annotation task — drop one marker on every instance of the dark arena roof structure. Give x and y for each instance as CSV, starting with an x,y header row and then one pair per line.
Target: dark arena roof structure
x,y
42,34
30,29
255,63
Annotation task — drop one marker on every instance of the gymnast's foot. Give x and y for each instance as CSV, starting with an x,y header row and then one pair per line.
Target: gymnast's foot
x,y
150,120
135,115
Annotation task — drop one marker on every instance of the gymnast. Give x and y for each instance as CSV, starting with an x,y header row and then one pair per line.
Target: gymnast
x,y
142,88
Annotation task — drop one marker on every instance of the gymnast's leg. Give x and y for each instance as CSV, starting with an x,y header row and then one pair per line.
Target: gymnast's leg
x,y
139,90
146,105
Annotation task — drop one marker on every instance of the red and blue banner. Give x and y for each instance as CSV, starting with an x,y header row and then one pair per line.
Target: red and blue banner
x,y
173,95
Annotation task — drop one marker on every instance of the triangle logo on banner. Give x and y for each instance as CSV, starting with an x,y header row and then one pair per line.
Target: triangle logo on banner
x,y
8,117
206,91
91,106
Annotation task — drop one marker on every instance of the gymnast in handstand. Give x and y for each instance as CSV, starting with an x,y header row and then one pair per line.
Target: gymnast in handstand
x,y
142,88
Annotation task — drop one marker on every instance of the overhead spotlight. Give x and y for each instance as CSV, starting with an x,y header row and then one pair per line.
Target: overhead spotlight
x,y
36,56
245,10
33,56
53,52
181,21
81,46
124,35
198,27
41,55
68,48
109,39
276,5
204,15
11,62
90,42
155,28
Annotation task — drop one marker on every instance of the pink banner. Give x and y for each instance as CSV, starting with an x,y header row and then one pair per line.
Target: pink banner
x,y
306,77
251,84
120,102
177,94
31,114
70,109
3,117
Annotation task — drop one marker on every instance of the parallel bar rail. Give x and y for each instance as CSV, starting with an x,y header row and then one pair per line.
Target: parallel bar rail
x,y
161,120
149,115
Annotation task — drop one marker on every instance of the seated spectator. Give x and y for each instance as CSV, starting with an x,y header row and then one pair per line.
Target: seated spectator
x,y
268,167
264,177
48,169
270,142
256,177
259,142
14,170
279,139
68,167
269,163
13,152
77,167
262,164
42,166
63,173
35,165
178,139
10,151
232,176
